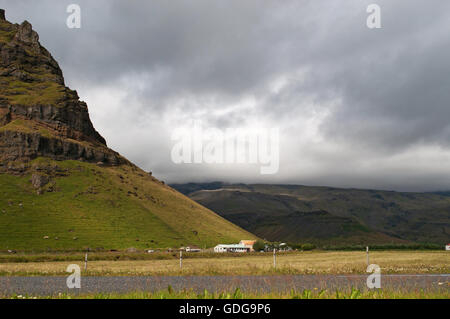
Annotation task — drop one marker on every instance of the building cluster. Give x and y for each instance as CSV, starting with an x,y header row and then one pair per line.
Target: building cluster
x,y
244,246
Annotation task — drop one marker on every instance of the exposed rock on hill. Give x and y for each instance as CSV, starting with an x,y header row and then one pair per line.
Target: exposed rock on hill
x,y
39,115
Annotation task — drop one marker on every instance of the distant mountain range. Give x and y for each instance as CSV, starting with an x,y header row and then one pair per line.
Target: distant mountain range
x,y
327,215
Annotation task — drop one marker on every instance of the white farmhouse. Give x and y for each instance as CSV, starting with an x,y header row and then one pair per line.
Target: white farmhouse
x,y
447,247
233,248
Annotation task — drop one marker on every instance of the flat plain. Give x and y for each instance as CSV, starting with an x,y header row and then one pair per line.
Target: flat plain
x,y
167,264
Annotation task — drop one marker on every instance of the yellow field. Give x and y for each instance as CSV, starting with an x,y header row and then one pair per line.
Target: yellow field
x,y
316,262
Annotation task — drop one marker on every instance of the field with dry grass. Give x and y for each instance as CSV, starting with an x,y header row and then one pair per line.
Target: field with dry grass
x,y
313,262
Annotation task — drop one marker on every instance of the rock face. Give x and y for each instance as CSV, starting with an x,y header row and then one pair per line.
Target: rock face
x,y
39,115
18,145
38,180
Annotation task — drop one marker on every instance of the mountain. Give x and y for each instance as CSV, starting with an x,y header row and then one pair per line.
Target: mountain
x,y
327,215
61,187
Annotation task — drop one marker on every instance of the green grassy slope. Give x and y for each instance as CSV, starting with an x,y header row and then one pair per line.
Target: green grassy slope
x,y
117,207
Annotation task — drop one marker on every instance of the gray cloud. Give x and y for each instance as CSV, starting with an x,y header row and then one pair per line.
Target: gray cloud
x,y
356,107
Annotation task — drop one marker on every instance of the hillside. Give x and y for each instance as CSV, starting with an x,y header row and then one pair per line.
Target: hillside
x,y
61,187
328,215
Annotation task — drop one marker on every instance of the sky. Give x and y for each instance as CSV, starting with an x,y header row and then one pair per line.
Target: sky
x,y
355,107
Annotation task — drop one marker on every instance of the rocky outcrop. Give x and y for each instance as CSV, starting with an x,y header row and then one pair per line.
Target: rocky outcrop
x,y
16,146
23,57
71,121
32,91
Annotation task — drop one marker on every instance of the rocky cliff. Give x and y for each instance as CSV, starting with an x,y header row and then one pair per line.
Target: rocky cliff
x,y
39,115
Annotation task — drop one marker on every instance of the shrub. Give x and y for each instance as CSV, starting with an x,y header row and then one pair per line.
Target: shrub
x,y
308,246
259,245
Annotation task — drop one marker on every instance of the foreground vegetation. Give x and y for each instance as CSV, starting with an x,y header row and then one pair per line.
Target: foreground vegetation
x,y
238,294
311,262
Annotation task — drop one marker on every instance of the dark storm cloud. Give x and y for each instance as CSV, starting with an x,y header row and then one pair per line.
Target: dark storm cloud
x,y
356,107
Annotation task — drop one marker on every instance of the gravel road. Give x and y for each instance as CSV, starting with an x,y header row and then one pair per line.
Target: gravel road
x,y
46,286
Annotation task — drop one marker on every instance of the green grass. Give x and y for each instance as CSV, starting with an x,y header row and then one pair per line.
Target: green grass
x,y
239,294
34,93
101,210
24,126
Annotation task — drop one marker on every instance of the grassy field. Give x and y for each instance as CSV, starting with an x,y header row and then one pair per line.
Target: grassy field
x,y
313,262
238,294
118,207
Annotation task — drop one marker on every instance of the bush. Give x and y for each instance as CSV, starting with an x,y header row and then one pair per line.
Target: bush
x,y
308,246
259,245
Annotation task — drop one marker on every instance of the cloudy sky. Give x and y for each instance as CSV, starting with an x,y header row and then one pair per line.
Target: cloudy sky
x,y
356,107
